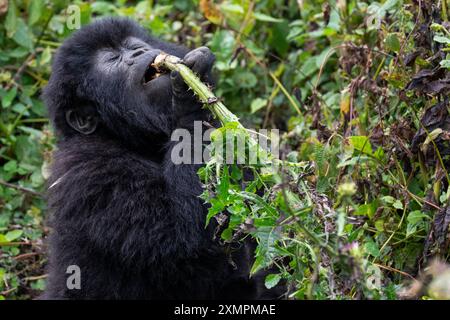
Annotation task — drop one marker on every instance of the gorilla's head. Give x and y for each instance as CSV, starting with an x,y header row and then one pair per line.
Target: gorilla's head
x,y
102,83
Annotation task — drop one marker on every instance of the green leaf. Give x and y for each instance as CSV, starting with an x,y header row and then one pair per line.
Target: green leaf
x,y
35,11
389,4
259,201
365,210
445,64
9,97
379,225
13,235
362,144
442,39
102,7
388,199
266,18
227,234
379,153
233,9
416,216
372,248
257,104
23,36
277,38
216,207
392,42
45,56
11,19
272,280
431,137
397,204
414,219
267,238
245,79
10,166
224,185
27,150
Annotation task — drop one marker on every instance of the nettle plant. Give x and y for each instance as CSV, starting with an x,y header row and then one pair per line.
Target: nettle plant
x,y
277,202
252,192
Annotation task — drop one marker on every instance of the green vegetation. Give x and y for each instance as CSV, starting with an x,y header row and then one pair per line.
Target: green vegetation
x,y
359,92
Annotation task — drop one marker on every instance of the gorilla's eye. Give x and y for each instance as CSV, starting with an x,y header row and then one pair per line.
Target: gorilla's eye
x,y
150,74
113,58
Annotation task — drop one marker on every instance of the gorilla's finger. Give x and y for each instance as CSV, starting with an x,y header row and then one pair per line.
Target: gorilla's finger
x,y
200,60
179,87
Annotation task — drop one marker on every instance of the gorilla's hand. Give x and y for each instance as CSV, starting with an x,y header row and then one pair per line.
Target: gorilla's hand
x,y
200,61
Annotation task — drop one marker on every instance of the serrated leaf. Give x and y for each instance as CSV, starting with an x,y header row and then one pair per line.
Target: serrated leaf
x,y
362,144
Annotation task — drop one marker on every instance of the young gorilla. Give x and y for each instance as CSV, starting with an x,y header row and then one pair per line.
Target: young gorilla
x,y
122,212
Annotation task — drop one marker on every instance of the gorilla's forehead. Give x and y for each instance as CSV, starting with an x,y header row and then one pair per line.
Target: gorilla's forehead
x,y
127,44
132,42
109,59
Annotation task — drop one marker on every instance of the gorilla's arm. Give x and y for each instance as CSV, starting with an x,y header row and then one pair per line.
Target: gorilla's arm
x,y
125,207
115,212
188,109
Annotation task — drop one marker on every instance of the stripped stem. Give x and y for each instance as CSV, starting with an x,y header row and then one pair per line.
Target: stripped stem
x,y
165,61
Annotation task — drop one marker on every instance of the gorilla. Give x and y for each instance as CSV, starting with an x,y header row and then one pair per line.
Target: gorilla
x,y
121,211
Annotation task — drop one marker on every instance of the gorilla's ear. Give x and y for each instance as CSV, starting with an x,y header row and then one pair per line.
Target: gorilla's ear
x,y
84,120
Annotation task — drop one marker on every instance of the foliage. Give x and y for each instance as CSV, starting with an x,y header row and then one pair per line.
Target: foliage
x,y
359,90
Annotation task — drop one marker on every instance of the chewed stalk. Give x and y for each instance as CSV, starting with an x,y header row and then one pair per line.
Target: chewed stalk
x,y
166,61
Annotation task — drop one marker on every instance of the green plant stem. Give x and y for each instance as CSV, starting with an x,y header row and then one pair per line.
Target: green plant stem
x,y
444,10
165,61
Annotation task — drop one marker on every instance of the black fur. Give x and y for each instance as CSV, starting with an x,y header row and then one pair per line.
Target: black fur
x,y
120,209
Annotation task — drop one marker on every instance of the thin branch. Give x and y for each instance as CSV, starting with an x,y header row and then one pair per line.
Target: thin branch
x,y
20,188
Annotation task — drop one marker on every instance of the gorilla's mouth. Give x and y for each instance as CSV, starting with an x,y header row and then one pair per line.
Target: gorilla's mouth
x,y
150,74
